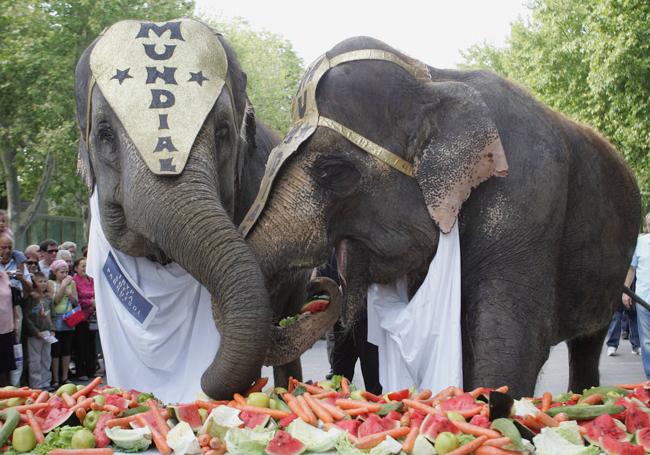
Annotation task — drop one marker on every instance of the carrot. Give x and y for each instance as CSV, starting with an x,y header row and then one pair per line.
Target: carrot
x,y
370,441
475,430
420,406
561,417
444,393
354,404
122,422
532,423
275,413
479,391
68,400
295,407
111,408
498,442
470,447
320,410
491,450
158,439
257,386
546,420
305,407
239,398
89,388
409,442
105,451
38,432
596,398
15,393
42,397
333,410
160,420
85,404
291,385
210,404
372,397
345,385
547,398
358,411
632,386
424,395
310,388
32,407
502,389
330,394
467,413
80,413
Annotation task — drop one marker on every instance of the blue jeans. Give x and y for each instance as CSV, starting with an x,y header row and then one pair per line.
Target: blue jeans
x,y
643,320
614,332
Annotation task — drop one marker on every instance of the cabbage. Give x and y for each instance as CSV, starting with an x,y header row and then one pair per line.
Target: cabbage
x,y
244,441
314,439
220,420
524,407
388,446
345,447
564,439
134,440
423,446
181,439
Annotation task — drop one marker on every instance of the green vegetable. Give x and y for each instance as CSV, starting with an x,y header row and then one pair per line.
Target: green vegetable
x,y
605,390
112,391
145,396
564,439
508,429
336,381
314,439
11,419
59,438
388,407
134,440
289,320
300,390
134,411
582,412
244,441
464,438
446,442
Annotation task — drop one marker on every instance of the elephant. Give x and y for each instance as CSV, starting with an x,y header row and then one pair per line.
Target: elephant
x,y
386,153
182,202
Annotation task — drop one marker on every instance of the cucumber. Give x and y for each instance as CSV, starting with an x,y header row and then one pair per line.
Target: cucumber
x,y
582,412
605,390
507,428
11,418
136,410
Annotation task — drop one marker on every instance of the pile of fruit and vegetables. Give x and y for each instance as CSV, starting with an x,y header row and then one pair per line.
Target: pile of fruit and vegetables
x,y
326,417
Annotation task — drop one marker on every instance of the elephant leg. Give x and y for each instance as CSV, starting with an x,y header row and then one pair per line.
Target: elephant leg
x,y
502,344
281,373
584,356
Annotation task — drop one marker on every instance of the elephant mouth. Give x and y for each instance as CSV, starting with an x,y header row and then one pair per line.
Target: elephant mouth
x,y
296,334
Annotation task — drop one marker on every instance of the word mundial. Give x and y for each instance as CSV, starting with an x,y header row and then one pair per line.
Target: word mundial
x,y
161,98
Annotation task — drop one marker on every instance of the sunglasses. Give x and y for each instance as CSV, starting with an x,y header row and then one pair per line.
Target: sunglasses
x,y
31,262
51,251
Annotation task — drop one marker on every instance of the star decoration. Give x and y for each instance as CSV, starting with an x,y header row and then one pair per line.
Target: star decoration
x,y
122,74
198,78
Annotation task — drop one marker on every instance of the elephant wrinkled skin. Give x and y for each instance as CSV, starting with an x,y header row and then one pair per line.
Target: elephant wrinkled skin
x,y
544,251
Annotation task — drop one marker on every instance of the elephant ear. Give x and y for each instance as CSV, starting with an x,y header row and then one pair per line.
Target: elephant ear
x,y
462,148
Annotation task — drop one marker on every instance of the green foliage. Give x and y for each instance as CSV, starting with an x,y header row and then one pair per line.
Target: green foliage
x,y
589,59
41,43
272,67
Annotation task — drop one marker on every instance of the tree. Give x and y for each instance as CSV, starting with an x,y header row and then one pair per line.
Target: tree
x,y
589,59
272,67
41,43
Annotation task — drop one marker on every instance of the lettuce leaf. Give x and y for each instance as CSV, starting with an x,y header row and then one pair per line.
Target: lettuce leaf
x,y
244,441
314,439
564,439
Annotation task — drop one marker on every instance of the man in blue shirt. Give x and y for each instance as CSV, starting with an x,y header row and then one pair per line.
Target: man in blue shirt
x,y
640,267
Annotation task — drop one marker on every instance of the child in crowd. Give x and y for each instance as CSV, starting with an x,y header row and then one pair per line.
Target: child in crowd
x,y
4,224
64,297
38,323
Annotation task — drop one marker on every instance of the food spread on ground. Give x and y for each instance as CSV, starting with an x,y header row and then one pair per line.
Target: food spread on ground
x,y
329,416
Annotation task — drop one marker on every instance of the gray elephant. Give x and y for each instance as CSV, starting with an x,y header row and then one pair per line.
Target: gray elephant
x,y
387,152
173,153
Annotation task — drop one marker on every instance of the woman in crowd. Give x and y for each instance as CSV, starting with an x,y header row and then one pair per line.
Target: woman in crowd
x,y
7,335
63,291
84,336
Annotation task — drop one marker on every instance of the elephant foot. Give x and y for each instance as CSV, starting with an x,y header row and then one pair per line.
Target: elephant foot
x,y
289,342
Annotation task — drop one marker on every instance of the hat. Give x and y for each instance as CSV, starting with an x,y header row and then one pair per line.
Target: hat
x,y
56,265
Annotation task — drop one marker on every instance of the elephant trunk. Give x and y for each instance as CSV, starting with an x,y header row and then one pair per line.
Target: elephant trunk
x,y
202,239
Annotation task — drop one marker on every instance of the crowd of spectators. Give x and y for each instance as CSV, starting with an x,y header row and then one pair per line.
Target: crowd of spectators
x,y
48,326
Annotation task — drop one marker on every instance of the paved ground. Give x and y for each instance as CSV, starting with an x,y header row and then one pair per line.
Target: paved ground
x,y
624,367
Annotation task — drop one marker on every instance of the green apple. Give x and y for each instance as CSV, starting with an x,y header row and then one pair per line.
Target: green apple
x,y
327,385
91,419
356,395
258,399
70,389
445,442
280,391
455,417
203,413
99,399
15,402
83,439
23,439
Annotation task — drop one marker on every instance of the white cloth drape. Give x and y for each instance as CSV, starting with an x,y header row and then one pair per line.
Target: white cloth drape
x,y
155,321
419,340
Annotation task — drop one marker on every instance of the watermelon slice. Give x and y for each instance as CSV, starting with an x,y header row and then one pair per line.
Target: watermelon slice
x,y
188,413
434,424
284,444
615,447
636,417
315,306
643,438
464,402
56,417
253,419
101,440
372,425
604,425
351,426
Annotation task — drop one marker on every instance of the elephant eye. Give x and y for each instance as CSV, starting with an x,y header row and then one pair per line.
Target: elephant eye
x,y
337,175
221,130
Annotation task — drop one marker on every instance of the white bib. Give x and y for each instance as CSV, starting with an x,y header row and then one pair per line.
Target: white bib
x,y
155,321
419,341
